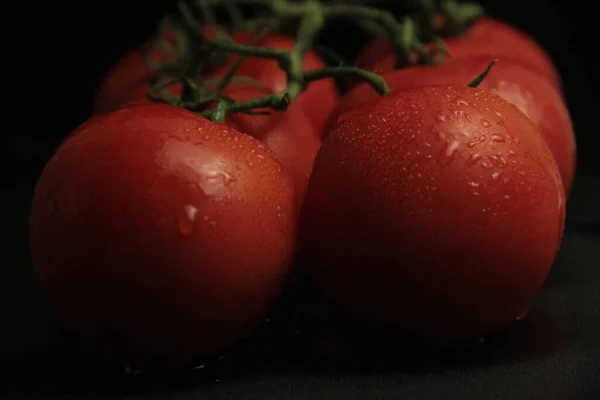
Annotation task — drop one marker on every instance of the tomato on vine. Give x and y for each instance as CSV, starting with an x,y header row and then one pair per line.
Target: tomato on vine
x,y
432,214
161,237
319,99
487,37
535,97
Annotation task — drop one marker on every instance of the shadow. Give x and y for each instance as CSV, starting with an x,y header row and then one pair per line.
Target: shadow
x,y
301,339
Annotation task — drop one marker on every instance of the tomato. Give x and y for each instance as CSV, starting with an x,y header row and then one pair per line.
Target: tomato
x,y
488,37
290,135
160,236
317,102
535,97
432,214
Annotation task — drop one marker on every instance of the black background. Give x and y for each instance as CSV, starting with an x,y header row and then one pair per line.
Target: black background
x,y
554,354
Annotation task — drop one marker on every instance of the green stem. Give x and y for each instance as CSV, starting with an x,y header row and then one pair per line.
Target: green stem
x,y
312,16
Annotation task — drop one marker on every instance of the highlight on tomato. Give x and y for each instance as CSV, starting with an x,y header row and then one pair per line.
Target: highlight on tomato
x,y
432,215
161,237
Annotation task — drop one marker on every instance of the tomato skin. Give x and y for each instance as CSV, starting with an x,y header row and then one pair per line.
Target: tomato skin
x,y
317,101
419,231
161,237
290,135
535,97
487,37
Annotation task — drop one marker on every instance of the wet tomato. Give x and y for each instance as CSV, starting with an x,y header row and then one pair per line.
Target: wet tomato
x,y
290,134
161,237
535,97
432,214
487,37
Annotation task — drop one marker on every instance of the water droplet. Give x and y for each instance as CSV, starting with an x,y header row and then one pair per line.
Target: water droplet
x,y
485,123
186,220
475,193
250,164
462,103
506,197
261,157
199,366
468,117
213,223
441,118
496,175
498,138
473,159
474,183
447,154
498,161
487,163
427,144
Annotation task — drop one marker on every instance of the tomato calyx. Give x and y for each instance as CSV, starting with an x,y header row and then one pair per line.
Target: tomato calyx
x,y
481,77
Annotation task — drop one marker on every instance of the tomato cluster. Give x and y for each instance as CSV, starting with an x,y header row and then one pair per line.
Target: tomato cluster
x,y
430,214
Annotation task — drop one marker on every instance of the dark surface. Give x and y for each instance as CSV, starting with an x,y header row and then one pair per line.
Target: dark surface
x,y
553,354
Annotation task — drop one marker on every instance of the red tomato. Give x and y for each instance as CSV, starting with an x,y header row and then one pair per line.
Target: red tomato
x,y
535,97
317,102
291,135
418,228
160,236
487,37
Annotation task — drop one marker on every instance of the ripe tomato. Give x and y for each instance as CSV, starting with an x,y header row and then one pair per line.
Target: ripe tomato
x,y
434,213
488,37
160,236
291,135
317,102
535,97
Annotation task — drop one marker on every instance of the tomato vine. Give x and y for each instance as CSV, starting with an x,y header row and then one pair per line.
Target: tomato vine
x,y
200,44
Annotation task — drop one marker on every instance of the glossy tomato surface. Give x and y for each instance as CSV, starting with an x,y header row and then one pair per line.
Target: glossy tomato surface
x,y
487,37
433,214
535,97
161,237
317,102
290,134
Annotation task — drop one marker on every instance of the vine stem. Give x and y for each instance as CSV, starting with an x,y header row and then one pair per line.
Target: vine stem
x,y
312,15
